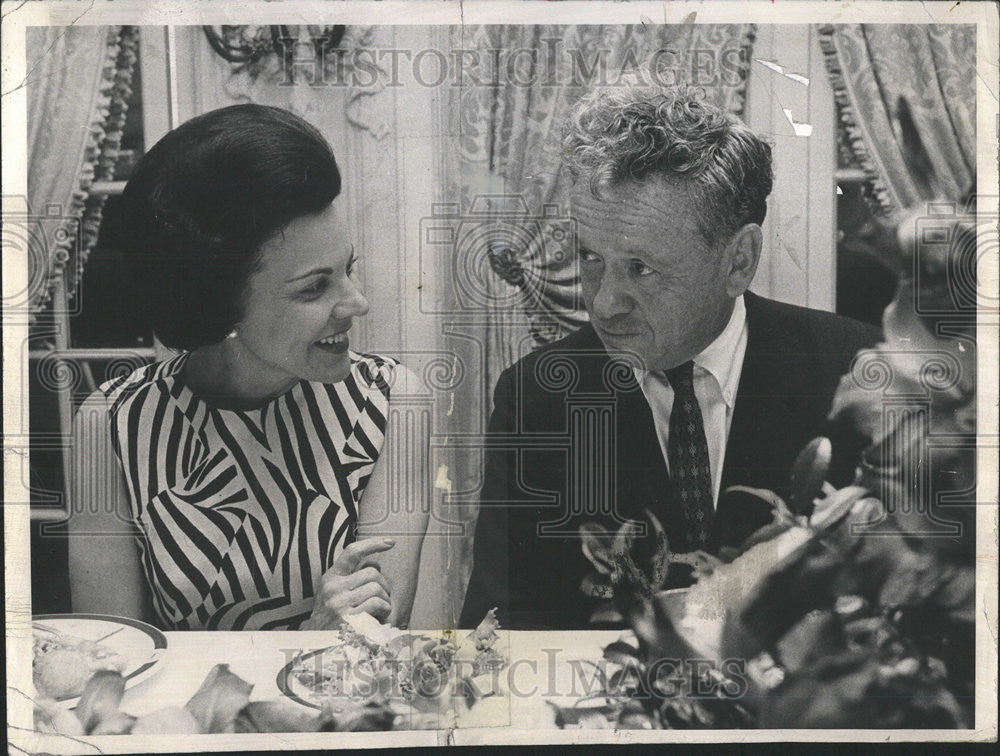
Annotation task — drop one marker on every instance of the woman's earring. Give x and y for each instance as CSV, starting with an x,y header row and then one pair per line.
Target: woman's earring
x,y
232,334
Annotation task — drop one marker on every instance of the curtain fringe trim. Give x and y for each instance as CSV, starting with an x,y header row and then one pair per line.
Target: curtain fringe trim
x,y
875,187
103,140
107,158
740,91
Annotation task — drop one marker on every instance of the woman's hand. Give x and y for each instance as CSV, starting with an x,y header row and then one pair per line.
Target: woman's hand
x,y
352,585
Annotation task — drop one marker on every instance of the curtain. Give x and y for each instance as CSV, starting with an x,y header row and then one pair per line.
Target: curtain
x,y
906,95
78,83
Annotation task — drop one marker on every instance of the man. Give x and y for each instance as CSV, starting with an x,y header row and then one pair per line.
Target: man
x,y
682,385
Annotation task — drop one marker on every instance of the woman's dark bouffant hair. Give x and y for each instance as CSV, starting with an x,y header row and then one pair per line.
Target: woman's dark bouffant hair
x,y
202,202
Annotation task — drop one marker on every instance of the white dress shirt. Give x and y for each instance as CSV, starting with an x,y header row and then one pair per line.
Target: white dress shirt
x,y
716,379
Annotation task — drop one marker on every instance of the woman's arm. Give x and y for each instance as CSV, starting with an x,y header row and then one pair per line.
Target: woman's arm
x,y
402,512
105,575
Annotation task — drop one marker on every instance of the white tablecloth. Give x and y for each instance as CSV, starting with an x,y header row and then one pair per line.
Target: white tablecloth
x,y
544,666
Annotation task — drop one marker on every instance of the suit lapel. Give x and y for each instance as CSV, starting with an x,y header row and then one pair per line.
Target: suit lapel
x,y
756,449
642,479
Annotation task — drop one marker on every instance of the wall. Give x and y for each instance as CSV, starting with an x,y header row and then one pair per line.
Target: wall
x,y
798,263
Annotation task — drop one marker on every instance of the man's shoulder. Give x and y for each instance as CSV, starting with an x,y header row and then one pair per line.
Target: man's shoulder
x,y
804,328
580,344
573,353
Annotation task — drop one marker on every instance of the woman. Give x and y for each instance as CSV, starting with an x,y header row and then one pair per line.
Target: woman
x,y
248,465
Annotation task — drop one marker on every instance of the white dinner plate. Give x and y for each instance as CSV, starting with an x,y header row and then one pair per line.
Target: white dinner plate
x,y
138,642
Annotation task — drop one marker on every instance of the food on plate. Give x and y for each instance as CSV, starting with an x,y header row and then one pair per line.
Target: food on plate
x,y
359,669
63,663
373,662
61,673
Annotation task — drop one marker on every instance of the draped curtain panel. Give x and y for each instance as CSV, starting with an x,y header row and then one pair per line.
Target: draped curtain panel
x,y
906,95
508,143
78,83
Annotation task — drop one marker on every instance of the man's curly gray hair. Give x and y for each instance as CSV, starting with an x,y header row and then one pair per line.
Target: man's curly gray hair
x,y
633,133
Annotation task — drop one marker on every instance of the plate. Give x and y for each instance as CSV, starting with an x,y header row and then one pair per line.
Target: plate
x,y
138,642
290,685
360,676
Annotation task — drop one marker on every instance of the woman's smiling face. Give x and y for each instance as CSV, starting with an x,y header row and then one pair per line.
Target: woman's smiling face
x,y
300,303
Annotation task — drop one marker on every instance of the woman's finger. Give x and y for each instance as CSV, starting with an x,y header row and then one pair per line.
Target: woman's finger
x,y
377,607
364,592
348,559
367,575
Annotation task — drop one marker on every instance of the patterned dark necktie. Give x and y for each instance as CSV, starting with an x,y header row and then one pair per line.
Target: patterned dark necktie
x,y
690,469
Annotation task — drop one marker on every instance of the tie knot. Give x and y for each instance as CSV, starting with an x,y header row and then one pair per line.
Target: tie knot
x,y
681,377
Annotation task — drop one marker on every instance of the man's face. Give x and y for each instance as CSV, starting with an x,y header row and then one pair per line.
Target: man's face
x,y
653,285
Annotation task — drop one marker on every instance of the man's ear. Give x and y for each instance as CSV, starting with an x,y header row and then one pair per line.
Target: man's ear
x,y
741,255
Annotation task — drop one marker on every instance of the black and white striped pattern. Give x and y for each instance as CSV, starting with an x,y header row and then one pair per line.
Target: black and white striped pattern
x,y
241,512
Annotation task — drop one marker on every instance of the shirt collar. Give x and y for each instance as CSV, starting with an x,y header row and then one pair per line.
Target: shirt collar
x,y
721,358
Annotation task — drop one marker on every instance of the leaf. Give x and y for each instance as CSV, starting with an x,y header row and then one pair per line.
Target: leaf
x,y
777,504
659,561
100,698
766,533
585,717
597,586
485,634
220,697
118,723
625,682
172,720
641,563
606,614
274,716
49,716
596,541
634,717
834,507
728,553
816,635
631,586
622,653
374,715
796,586
808,475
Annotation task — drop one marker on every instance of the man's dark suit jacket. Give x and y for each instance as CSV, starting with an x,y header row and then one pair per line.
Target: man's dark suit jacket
x,y
571,427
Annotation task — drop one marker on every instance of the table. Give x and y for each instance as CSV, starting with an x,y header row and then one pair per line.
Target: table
x,y
544,666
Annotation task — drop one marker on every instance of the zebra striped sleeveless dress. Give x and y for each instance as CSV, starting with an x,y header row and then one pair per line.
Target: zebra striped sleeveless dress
x,y
240,512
